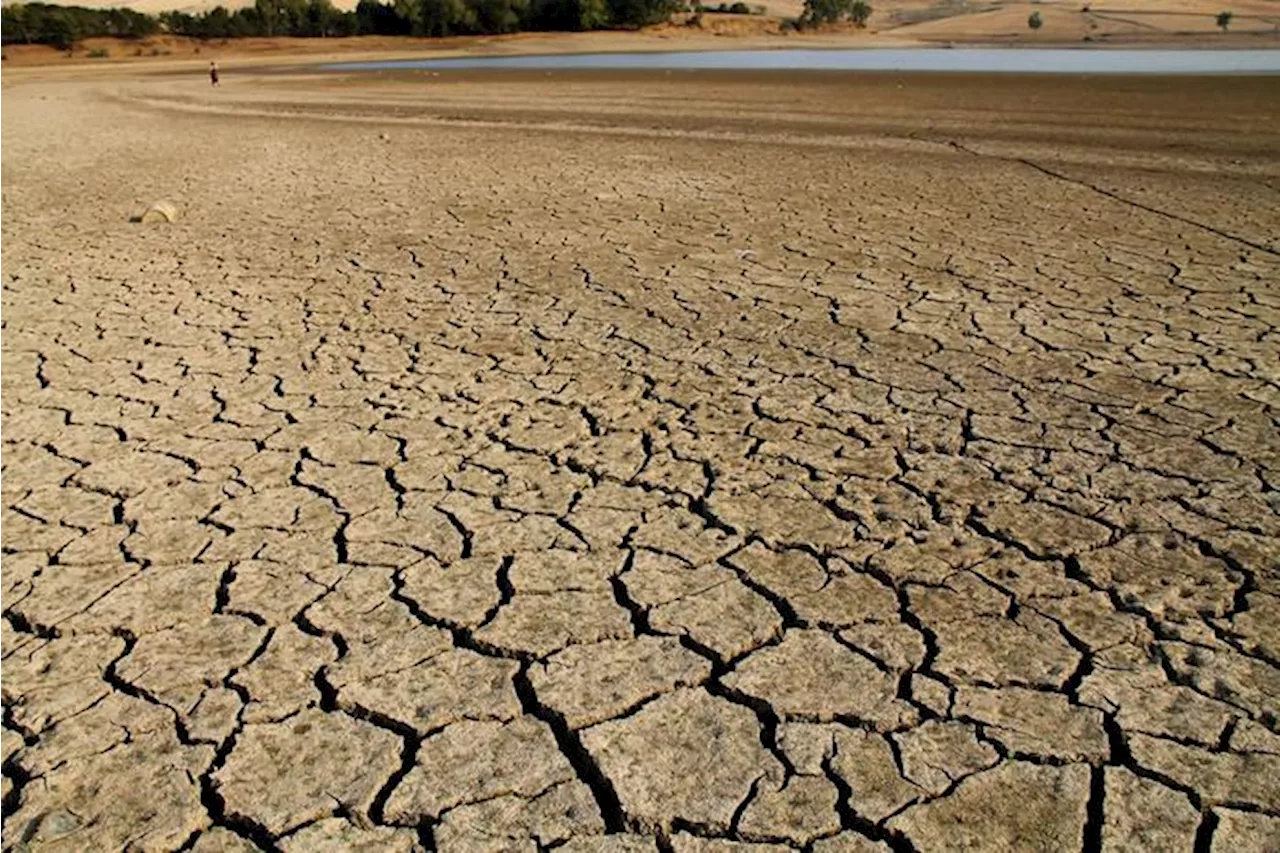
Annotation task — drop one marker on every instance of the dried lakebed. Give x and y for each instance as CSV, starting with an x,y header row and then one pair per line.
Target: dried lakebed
x,y
625,463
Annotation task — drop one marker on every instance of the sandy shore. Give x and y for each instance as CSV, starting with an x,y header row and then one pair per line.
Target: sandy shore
x,y
690,462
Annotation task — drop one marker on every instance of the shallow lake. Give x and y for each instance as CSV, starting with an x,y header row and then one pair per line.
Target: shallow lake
x,y
970,60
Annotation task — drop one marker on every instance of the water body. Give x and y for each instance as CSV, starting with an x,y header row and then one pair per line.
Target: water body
x,y
968,60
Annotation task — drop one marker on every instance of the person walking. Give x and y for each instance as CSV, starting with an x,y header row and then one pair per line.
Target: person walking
x,y
213,73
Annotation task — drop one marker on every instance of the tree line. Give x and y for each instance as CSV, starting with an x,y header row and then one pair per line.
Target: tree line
x,y
63,26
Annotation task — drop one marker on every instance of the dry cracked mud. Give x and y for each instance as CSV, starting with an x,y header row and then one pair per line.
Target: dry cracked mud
x,y
684,464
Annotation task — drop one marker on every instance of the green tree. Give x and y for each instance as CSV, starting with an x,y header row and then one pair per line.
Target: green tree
x,y
269,16
297,14
15,23
499,16
641,13
62,29
127,23
377,18
216,23
1224,20
344,24
180,23
592,15
246,21
1035,22
818,12
567,15
282,17
441,17
409,11
319,19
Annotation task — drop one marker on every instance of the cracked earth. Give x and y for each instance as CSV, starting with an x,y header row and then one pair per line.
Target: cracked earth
x,y
682,464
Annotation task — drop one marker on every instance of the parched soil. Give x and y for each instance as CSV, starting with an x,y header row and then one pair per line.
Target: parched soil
x,y
685,462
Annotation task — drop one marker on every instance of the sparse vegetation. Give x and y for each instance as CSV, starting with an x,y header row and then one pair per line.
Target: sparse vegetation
x,y
818,12
1034,21
1224,20
99,53
64,26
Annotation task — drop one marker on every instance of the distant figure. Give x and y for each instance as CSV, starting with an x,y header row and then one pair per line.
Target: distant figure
x,y
213,73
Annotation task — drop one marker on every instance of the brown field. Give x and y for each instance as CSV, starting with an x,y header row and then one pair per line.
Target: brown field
x,y
682,463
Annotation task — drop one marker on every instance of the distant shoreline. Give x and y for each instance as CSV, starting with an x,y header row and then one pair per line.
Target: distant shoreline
x,y
998,59
161,51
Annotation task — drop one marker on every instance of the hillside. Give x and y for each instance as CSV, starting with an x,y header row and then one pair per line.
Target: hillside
x,y
961,20
1074,20
1190,23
